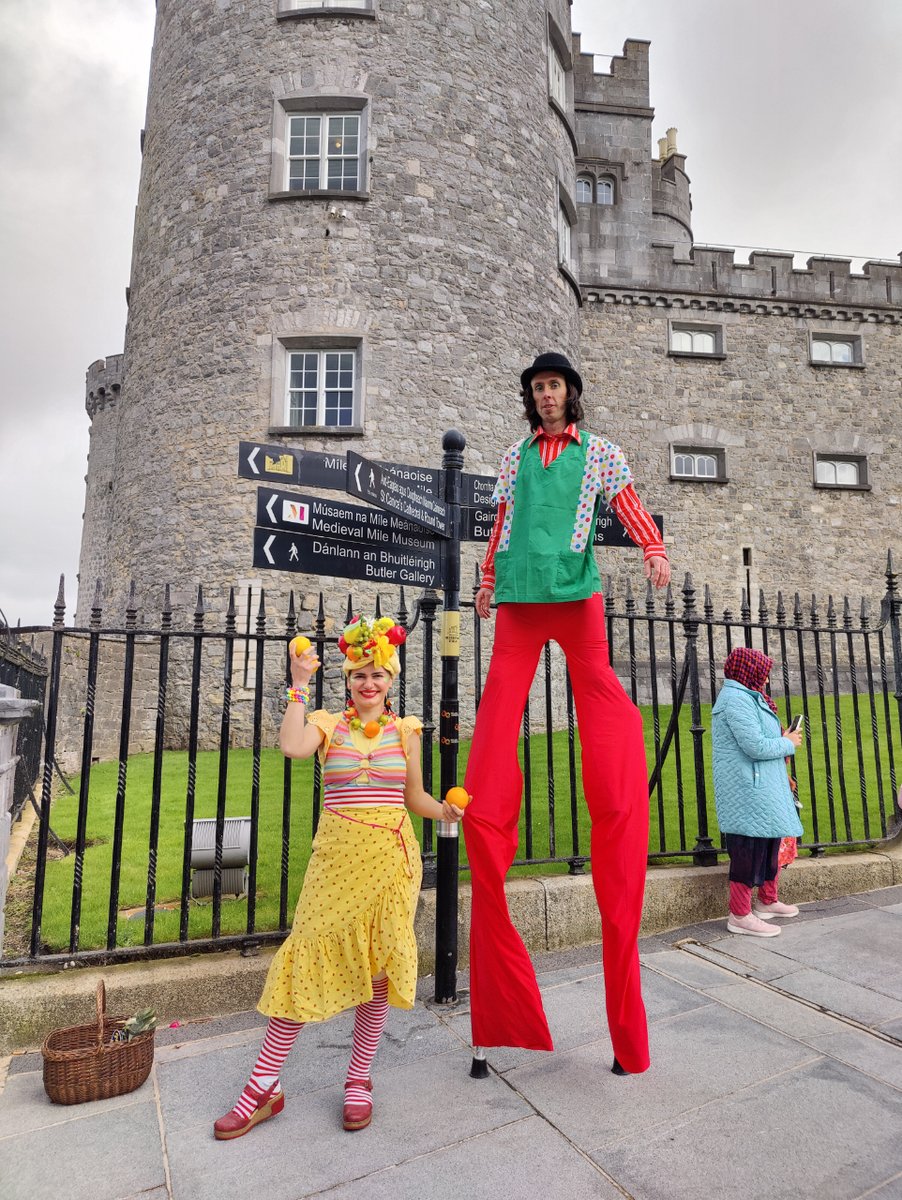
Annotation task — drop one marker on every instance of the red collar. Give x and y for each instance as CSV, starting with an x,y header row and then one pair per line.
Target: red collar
x,y
571,432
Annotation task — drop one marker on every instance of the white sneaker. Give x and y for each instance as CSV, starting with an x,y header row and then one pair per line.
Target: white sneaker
x,y
777,909
752,925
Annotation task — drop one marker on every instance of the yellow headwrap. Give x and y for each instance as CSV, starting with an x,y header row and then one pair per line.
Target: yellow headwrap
x,y
363,644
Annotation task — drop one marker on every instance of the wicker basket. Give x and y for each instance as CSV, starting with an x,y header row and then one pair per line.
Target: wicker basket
x,y
81,1063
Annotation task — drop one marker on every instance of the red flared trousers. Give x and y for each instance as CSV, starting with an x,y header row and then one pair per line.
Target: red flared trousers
x,y
506,1006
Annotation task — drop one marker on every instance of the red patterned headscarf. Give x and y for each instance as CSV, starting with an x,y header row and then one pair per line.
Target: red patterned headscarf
x,y
750,668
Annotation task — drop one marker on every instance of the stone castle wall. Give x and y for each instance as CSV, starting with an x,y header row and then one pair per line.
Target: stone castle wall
x,y
446,270
771,411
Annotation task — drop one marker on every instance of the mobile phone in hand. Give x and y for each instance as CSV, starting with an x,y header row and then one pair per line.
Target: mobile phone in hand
x,y
796,723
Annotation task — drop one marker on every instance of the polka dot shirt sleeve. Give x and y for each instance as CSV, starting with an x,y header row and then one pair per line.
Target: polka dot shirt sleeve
x,y
613,470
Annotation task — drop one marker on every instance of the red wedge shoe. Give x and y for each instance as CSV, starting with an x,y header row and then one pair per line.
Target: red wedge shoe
x,y
233,1125
357,1114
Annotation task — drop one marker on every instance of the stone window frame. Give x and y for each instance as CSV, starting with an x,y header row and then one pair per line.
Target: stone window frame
x,y
289,10
710,327
559,54
852,340
718,453
594,179
605,179
860,461
283,346
315,104
567,218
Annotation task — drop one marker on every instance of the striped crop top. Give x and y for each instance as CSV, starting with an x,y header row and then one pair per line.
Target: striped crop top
x,y
354,778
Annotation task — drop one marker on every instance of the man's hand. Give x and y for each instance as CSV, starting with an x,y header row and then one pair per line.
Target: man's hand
x,y
483,602
658,571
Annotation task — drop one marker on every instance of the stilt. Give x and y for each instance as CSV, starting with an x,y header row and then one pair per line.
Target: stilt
x,y
479,1068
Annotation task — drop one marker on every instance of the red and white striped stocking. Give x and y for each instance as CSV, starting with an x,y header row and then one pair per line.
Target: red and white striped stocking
x,y
369,1021
280,1037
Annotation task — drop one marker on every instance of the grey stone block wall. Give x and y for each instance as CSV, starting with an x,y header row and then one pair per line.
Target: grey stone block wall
x,y
771,410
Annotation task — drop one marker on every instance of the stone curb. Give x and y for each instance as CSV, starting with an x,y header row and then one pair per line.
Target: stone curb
x,y
552,913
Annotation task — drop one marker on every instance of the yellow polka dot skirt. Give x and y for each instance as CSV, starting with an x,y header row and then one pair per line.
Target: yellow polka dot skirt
x,y
354,919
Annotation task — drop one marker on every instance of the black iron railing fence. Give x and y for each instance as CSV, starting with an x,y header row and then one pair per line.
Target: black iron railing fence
x,y
841,670
23,667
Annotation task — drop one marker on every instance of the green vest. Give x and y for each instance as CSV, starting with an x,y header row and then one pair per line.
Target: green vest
x,y
538,566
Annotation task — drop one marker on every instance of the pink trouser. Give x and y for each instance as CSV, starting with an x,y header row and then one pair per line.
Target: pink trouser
x,y
741,895
506,1006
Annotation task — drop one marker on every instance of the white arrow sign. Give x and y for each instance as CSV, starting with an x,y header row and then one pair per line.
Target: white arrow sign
x,y
269,508
266,545
250,460
357,475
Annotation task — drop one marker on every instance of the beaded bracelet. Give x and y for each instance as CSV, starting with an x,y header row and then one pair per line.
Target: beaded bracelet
x,y
298,695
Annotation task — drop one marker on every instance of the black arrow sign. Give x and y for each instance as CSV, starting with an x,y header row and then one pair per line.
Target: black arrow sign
x,y
379,484
283,464
319,516
306,555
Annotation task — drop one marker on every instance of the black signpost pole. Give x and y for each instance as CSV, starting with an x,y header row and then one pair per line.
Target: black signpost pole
x,y
447,844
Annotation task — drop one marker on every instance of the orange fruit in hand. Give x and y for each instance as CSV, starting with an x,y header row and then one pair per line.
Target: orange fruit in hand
x,y
458,796
298,645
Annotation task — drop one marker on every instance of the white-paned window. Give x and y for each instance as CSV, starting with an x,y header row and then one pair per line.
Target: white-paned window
x,y
836,351
692,341
323,152
604,190
701,340
321,388
584,189
704,464
557,78
695,466
841,471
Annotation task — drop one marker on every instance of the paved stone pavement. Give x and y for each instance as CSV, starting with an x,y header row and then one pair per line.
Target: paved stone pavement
x,y
776,1072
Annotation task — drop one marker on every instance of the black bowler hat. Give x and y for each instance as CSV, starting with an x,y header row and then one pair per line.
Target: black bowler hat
x,y
552,362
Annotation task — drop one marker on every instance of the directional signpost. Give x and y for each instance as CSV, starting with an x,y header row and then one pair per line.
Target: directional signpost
x,y
378,483
307,555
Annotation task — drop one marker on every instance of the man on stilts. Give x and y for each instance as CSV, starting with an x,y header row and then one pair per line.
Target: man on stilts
x,y
541,566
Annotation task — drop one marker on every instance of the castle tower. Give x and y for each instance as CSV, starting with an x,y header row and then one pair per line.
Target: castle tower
x,y
626,199
352,231
103,385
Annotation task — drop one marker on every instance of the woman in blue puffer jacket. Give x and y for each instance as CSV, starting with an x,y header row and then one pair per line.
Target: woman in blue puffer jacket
x,y
755,806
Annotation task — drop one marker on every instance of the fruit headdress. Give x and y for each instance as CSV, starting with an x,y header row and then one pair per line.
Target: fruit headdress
x,y
363,643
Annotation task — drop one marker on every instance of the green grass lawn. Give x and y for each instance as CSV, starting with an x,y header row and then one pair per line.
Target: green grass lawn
x,y
673,809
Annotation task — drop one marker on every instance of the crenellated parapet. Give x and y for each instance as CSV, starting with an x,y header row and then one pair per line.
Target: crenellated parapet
x,y
624,85
768,282
103,383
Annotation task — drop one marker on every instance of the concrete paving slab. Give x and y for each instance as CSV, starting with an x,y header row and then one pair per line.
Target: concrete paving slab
x,y
883,897
863,946
872,1055
821,1131
522,1161
305,1149
102,1156
891,1190
688,968
697,1057
849,999
25,1106
757,957
779,1012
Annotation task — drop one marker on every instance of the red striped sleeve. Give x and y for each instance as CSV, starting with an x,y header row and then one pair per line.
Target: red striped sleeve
x,y
637,522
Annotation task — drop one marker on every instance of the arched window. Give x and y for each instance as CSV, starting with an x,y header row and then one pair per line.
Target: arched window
x,y
584,189
702,464
605,190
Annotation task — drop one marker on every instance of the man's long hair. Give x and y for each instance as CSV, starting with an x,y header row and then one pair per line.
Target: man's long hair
x,y
574,413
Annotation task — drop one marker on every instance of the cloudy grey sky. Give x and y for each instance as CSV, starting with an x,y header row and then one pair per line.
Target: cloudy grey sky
x,y
787,111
